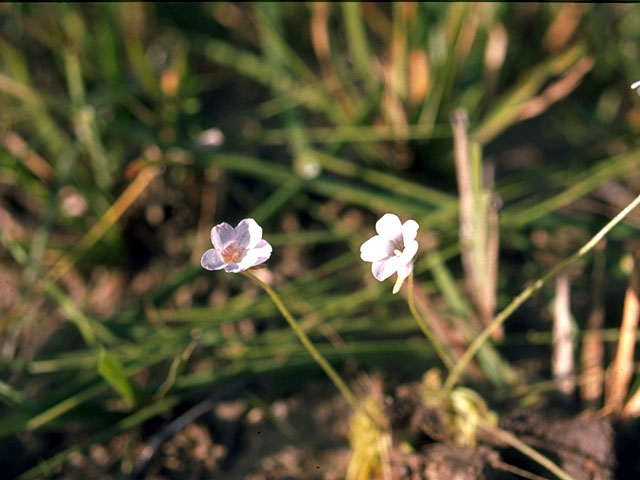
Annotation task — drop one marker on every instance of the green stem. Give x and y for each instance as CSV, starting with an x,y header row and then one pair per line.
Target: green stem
x,y
454,374
315,354
534,455
425,328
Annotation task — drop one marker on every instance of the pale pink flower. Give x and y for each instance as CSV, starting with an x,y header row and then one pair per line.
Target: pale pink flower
x,y
236,249
392,250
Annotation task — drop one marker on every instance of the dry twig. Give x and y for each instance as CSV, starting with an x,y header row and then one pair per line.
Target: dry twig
x,y
621,369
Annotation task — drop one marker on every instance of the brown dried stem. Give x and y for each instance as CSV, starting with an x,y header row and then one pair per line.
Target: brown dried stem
x,y
621,369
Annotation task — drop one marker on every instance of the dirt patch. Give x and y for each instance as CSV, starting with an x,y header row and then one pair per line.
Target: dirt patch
x,y
305,436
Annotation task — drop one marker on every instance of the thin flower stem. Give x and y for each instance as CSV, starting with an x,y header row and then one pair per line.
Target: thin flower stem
x,y
454,374
315,354
425,328
533,454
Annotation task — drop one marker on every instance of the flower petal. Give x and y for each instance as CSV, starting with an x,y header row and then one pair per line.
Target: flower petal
x,y
222,234
263,249
404,271
376,248
389,226
398,285
383,269
211,260
233,268
409,231
248,233
255,256
408,253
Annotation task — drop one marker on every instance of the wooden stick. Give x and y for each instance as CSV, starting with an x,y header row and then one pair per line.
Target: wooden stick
x,y
621,369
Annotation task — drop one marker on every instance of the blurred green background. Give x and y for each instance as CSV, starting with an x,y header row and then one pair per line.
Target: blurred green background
x,y
128,130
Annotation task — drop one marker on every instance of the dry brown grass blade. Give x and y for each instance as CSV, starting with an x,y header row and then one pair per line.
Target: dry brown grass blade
x,y
462,156
468,33
479,240
17,146
377,21
632,409
420,81
562,364
557,90
620,371
108,219
320,12
563,27
494,55
592,380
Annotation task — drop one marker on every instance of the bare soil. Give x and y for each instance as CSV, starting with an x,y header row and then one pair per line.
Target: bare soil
x,y
305,436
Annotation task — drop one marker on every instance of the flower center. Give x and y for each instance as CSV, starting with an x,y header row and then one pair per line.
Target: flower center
x,y
231,253
398,247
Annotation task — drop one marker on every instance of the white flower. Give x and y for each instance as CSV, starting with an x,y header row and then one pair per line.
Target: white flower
x,y
636,86
392,250
236,249
212,137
